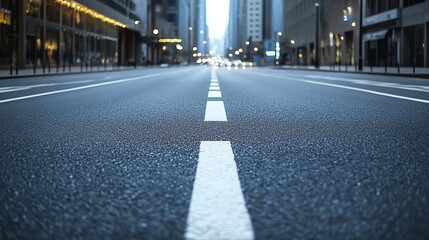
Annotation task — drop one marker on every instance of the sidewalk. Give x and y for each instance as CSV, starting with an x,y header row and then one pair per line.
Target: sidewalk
x,y
28,72
403,71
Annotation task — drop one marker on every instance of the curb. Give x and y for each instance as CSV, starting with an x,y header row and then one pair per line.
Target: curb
x,y
414,75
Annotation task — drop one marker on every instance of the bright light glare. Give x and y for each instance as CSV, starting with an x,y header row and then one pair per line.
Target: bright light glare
x,y
217,17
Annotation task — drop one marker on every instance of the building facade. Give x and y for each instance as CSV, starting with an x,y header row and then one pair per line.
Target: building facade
x,y
181,31
66,32
254,18
273,31
246,30
394,32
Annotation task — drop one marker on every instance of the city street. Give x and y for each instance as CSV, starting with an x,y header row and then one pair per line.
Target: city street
x,y
214,153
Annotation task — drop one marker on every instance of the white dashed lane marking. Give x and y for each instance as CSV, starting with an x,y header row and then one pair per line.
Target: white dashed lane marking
x,y
215,111
215,94
217,209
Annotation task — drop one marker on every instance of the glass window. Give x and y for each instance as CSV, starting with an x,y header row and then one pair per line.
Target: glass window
x,y
52,11
51,46
34,8
79,19
413,46
393,4
411,2
67,16
90,24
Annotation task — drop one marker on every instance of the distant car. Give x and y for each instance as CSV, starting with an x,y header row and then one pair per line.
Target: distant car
x,y
237,63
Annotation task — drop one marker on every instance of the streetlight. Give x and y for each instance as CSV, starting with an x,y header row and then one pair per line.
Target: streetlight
x,y
136,23
279,34
360,60
316,60
155,31
190,33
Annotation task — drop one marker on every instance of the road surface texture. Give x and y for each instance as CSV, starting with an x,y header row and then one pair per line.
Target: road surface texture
x,y
206,153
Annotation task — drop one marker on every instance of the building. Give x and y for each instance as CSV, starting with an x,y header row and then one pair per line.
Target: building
x,y
232,30
254,18
273,31
394,32
245,29
202,29
176,28
65,32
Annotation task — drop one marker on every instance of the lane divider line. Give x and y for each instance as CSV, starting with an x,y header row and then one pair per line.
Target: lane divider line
x,y
214,88
78,88
215,112
217,209
368,91
215,94
349,88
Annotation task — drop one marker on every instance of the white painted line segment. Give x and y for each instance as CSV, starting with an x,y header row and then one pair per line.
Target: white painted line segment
x,y
214,88
369,91
349,88
77,88
217,209
420,88
215,111
214,84
215,80
215,94
22,88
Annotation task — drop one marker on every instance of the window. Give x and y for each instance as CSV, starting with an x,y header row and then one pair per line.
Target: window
x,y
34,8
414,50
378,6
411,2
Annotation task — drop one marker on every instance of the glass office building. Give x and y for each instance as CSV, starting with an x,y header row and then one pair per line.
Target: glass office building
x,y
65,32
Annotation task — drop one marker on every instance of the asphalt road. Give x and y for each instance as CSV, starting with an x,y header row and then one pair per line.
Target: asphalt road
x,y
115,155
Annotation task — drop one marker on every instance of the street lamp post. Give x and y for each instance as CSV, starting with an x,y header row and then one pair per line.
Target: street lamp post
x,y
360,60
190,31
279,34
292,55
155,47
316,60
134,42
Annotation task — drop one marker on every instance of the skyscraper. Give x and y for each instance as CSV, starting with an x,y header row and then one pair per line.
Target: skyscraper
x,y
203,33
47,33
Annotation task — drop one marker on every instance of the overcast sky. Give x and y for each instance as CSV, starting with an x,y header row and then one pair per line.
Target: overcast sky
x,y
217,17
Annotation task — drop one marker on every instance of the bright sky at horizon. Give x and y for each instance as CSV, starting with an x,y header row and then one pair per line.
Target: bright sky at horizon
x,y
217,17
